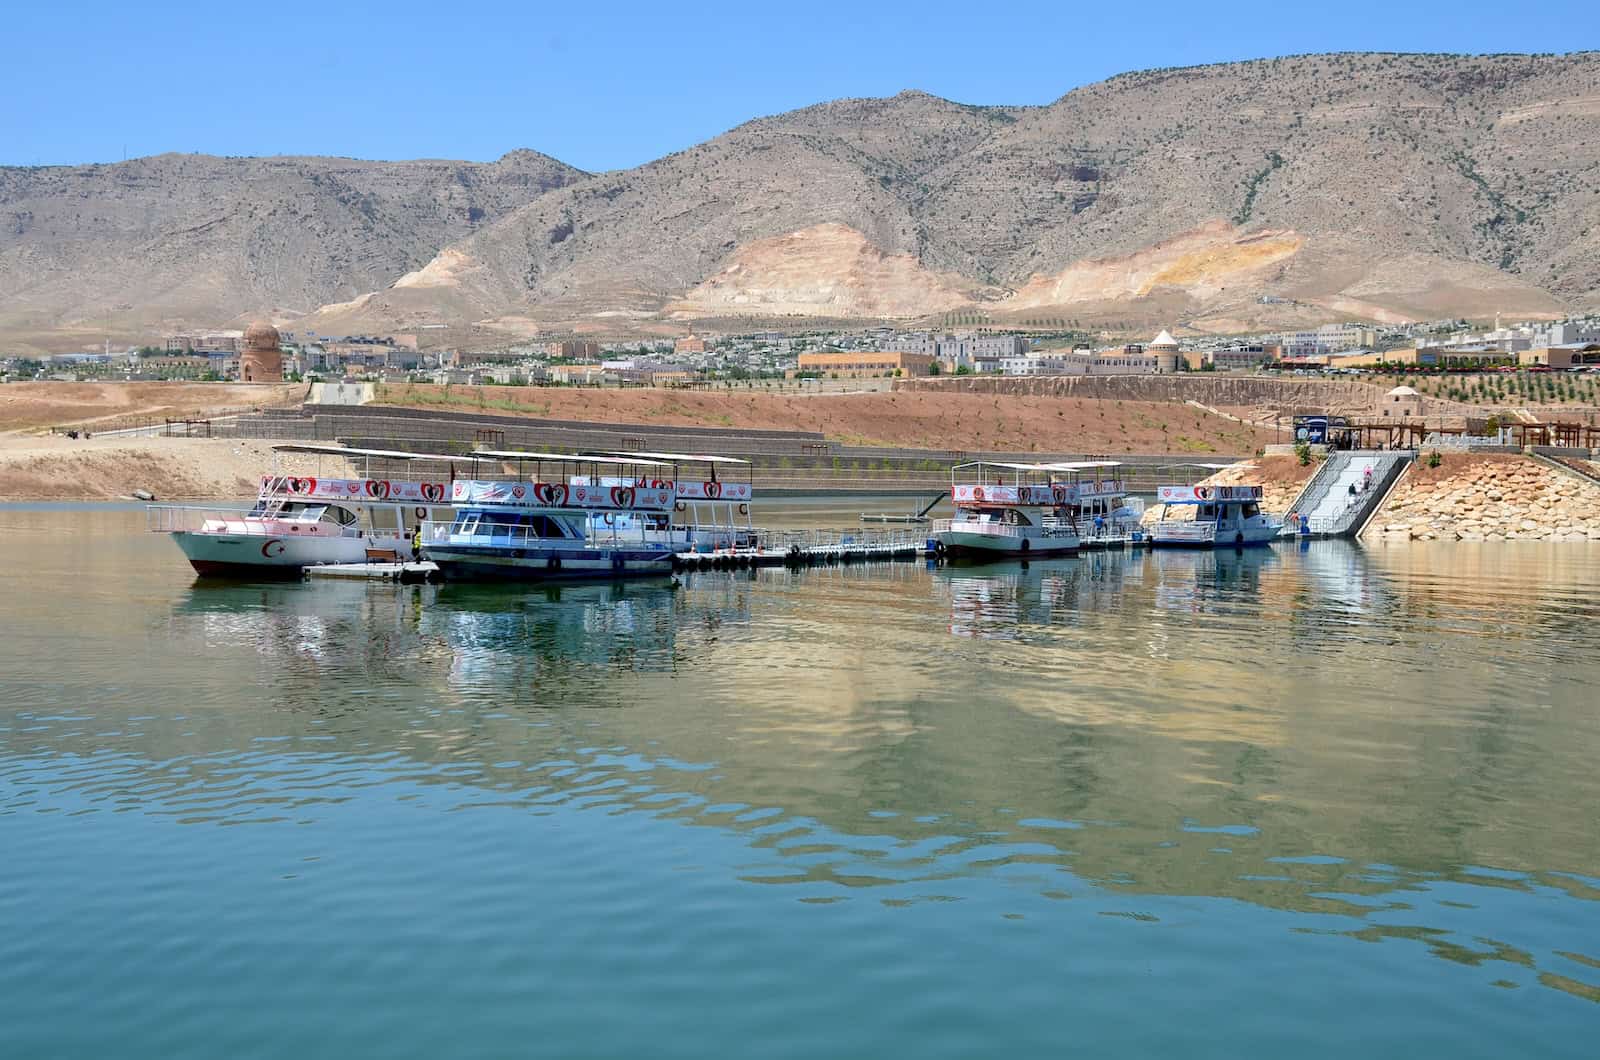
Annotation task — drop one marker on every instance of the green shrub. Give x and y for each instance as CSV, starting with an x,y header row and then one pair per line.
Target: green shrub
x,y
1302,452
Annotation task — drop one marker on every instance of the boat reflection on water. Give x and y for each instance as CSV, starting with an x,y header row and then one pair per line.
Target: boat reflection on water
x,y
501,640
484,637
991,601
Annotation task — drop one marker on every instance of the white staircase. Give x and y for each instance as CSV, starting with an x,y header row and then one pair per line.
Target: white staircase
x,y
1338,502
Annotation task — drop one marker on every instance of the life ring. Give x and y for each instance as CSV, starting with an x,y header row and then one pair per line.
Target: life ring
x,y
420,511
744,509
680,507
609,519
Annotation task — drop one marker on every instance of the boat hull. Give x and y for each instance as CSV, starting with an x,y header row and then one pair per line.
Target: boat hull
x,y
236,555
993,546
482,563
1248,538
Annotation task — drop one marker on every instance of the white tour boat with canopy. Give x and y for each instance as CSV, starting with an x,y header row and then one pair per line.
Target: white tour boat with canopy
x,y
299,521
1095,499
560,523
1224,517
1005,510
710,513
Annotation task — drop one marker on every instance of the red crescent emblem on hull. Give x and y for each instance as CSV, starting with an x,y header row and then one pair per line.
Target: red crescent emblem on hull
x,y
272,548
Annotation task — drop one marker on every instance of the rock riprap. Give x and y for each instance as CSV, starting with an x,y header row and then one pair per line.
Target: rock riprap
x,y
1489,498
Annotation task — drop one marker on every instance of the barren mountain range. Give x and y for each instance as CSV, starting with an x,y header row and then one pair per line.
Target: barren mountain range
x,y
1227,197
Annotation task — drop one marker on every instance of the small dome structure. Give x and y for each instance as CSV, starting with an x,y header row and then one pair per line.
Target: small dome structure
x,y
1165,351
1404,391
261,361
261,336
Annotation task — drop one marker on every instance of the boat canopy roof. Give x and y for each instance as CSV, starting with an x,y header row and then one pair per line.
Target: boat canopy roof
x,y
386,454
697,458
1005,464
1084,465
569,458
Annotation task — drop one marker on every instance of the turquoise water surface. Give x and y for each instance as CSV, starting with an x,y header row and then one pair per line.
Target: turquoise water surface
x,y
1322,802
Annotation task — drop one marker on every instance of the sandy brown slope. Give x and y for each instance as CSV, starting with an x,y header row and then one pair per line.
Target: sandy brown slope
x,y
931,420
25,406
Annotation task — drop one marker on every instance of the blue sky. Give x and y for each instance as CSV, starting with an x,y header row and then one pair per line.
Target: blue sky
x,y
608,85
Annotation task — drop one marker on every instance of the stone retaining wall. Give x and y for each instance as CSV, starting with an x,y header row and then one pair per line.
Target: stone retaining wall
x,y
1328,394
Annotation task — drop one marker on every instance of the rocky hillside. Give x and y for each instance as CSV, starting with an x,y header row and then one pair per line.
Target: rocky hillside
x,y
1224,197
1377,186
181,240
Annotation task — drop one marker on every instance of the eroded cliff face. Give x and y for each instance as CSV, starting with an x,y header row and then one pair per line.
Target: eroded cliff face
x,y
827,270
1488,498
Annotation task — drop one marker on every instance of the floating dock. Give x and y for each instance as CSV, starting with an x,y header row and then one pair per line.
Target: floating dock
x,y
810,548
408,573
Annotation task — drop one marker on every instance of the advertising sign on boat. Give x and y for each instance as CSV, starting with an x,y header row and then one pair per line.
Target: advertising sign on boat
x,y
1071,492
1202,494
980,494
562,495
714,491
355,490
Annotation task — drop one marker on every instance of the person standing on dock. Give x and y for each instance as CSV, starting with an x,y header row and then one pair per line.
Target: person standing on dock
x,y
416,543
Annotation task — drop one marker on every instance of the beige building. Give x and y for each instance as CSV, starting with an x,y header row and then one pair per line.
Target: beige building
x,y
1165,350
1560,357
577,374
689,344
866,364
577,349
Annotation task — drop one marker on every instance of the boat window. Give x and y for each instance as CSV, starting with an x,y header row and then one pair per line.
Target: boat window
x,y
466,523
1208,511
310,512
1018,519
342,516
1251,510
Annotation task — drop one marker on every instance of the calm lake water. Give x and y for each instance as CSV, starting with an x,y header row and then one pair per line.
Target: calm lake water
x,y
1314,803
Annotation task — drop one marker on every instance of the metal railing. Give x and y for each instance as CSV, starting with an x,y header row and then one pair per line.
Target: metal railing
x,y
214,519
967,526
1185,530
